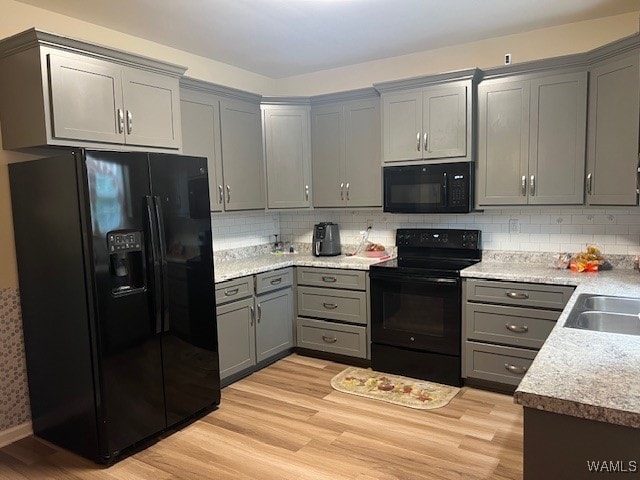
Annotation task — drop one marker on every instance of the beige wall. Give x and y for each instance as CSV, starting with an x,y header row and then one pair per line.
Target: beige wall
x,y
533,45
16,17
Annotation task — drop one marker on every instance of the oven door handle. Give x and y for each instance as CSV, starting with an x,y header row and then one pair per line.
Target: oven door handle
x,y
415,278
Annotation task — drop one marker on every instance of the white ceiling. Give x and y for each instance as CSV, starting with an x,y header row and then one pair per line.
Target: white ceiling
x,y
280,38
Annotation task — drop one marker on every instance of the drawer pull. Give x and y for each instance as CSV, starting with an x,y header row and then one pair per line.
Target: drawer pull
x,y
518,295
329,339
516,328
515,369
276,281
329,279
330,306
230,293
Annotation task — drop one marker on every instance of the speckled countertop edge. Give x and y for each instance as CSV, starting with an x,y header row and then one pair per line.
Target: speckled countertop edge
x,y
591,375
231,269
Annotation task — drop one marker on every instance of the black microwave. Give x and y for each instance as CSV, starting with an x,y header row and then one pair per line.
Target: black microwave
x,y
429,188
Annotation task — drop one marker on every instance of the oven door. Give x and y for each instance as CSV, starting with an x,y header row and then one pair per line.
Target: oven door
x,y
416,312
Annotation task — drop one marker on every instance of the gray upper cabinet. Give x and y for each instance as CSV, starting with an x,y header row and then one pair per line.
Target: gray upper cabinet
x,y
345,152
614,102
531,146
287,148
241,135
201,138
65,92
224,125
432,122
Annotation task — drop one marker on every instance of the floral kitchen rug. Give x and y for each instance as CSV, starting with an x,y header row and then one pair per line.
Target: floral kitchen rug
x,y
404,391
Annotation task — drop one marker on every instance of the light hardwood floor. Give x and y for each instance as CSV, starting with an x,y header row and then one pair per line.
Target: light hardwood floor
x,y
286,422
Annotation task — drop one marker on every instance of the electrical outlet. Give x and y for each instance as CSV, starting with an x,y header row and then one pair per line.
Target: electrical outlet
x,y
369,223
507,59
514,225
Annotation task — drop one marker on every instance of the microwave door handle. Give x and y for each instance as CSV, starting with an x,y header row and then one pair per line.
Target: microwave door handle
x,y
445,189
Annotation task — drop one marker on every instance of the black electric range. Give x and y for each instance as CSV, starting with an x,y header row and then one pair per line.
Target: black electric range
x,y
416,318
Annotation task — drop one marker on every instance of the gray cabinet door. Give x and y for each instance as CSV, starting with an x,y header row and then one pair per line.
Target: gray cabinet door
x,y
152,109
503,143
201,137
236,337
327,155
242,155
402,126
274,323
614,102
558,134
287,156
86,99
362,166
444,122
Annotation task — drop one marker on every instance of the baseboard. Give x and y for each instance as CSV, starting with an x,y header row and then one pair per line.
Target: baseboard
x,y
16,433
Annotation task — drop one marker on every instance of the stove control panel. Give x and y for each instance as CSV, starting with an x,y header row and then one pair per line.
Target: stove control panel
x,y
438,238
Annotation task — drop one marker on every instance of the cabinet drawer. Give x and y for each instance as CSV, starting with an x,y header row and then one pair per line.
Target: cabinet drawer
x,y
332,278
332,337
270,281
344,305
234,290
523,327
505,365
522,294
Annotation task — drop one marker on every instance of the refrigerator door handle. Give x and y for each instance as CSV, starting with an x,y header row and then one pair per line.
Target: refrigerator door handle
x,y
163,259
155,262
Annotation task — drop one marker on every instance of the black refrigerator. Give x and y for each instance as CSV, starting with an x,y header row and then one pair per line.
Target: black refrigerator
x,y
115,266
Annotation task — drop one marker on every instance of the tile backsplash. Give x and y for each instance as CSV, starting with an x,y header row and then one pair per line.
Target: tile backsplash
x,y
551,229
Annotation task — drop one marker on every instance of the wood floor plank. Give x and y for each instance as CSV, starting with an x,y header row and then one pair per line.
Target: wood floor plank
x,y
286,422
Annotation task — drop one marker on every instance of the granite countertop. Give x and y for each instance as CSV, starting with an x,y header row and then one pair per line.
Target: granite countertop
x,y
230,269
582,373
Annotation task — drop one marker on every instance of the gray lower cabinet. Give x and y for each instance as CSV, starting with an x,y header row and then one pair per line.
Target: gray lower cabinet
x,y
612,158
224,126
287,153
65,92
531,146
345,152
504,324
254,324
333,311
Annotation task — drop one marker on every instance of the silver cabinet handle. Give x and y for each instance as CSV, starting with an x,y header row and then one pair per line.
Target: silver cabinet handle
x,y
515,369
518,295
426,142
347,191
120,121
329,339
306,192
418,137
532,184
129,122
329,279
342,191
589,183
253,316
523,185
276,281
230,293
330,306
228,194
220,194
516,328
259,314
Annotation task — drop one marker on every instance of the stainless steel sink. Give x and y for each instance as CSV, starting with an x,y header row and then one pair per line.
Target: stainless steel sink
x,y
613,304
602,313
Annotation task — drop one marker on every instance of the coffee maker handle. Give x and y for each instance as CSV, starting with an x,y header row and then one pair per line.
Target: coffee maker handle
x,y
316,248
